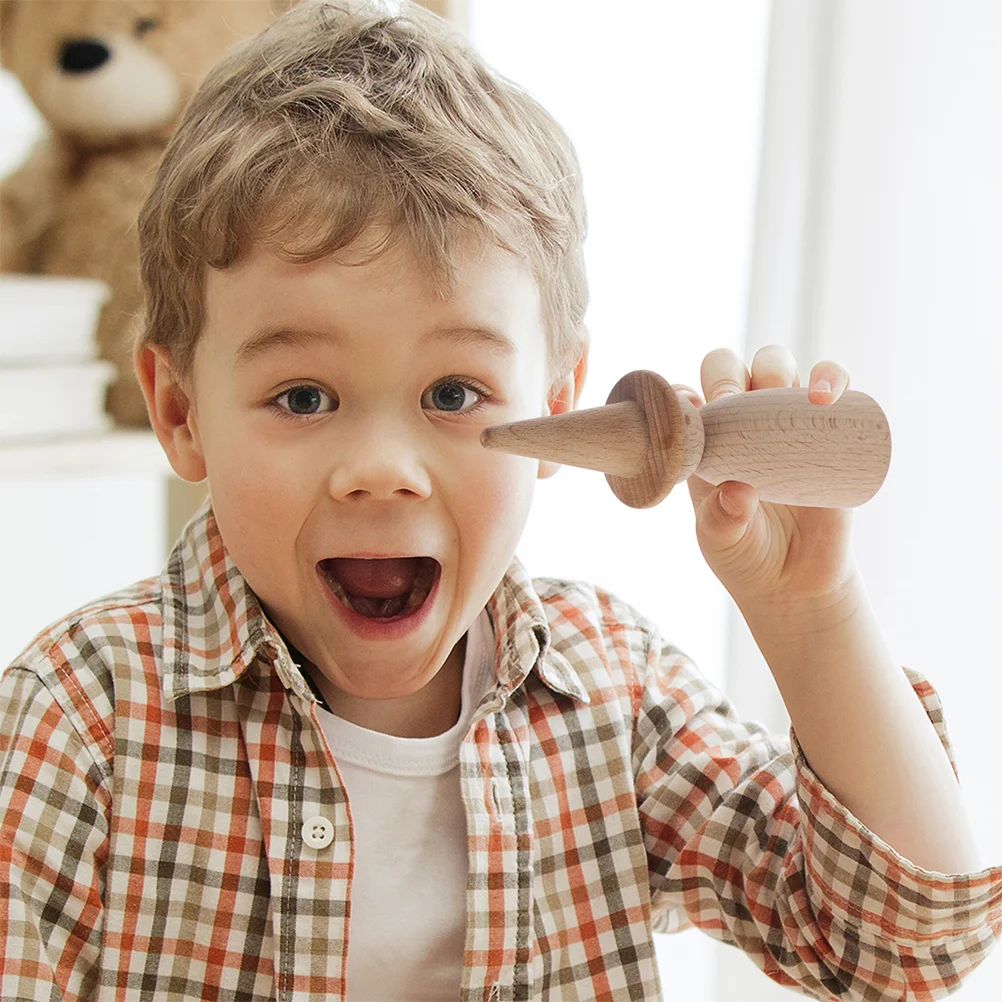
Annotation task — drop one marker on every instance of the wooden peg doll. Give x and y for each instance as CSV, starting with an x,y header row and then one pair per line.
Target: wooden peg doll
x,y
647,438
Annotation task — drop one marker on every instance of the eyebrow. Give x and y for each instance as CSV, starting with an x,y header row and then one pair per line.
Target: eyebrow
x,y
482,337
271,338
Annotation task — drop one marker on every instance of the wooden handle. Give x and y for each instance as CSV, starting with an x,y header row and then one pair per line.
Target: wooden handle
x,y
795,452
646,439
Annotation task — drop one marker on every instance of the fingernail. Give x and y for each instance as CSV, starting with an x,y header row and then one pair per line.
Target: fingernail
x,y
728,505
822,386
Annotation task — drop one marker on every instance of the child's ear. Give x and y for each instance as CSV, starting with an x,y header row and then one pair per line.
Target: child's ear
x,y
172,415
563,397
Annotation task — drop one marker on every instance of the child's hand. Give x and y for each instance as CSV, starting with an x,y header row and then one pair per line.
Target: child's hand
x,y
770,556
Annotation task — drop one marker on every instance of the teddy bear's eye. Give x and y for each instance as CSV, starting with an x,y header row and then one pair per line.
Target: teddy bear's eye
x,y
145,24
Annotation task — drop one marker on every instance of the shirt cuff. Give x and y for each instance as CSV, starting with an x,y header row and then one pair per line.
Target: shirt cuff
x,y
856,880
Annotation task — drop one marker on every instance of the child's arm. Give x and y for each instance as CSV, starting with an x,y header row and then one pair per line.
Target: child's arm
x,y
864,732
744,842
791,573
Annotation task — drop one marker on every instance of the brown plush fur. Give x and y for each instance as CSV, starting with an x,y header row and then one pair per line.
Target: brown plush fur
x,y
71,208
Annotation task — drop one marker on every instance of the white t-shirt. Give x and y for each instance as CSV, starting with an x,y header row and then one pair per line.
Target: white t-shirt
x,y
408,895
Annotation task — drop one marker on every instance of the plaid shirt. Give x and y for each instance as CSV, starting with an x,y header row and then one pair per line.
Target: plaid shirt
x,y
161,753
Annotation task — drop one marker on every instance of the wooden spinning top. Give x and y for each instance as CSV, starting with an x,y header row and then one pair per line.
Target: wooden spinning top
x,y
647,438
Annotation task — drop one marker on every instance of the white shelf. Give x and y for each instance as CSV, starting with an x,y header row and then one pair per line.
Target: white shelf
x,y
118,453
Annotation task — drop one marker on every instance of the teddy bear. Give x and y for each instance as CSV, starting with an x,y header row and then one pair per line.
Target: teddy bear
x,y
110,78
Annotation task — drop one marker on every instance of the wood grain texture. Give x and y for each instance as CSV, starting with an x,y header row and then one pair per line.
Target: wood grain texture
x,y
673,437
607,439
795,452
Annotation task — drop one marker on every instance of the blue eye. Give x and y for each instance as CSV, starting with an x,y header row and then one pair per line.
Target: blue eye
x,y
453,396
305,400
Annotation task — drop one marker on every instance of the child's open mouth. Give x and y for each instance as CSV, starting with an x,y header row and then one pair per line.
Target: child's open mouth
x,y
385,588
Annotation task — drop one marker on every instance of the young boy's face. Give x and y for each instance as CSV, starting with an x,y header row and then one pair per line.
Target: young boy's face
x,y
337,411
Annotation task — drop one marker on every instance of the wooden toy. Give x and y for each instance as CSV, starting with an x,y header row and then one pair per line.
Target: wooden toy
x,y
647,438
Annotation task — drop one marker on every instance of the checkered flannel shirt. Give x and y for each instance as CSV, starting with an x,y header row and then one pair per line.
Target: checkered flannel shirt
x,y
161,753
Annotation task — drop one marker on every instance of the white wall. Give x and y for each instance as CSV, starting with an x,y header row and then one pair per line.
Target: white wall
x,y
666,123
57,537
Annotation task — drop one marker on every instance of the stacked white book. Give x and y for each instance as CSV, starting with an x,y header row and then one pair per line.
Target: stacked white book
x,y
52,383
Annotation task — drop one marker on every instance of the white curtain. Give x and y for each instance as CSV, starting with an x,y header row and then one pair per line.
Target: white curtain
x,y
878,242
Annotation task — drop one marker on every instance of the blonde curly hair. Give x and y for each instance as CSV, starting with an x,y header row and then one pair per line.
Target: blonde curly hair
x,y
341,115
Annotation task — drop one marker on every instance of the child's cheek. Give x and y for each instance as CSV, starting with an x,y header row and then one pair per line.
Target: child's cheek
x,y
501,496
259,492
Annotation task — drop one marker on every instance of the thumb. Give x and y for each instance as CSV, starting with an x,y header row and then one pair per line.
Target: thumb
x,y
724,516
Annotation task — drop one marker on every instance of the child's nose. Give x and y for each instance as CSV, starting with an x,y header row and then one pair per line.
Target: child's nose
x,y
378,467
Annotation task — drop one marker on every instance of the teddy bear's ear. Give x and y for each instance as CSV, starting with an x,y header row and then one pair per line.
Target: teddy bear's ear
x,y
6,31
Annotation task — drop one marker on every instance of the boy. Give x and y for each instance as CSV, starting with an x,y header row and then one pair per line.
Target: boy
x,y
344,748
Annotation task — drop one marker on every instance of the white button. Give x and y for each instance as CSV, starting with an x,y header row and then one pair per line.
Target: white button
x,y
318,832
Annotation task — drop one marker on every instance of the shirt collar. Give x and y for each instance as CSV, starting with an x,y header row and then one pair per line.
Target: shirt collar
x,y
213,624
214,627
522,638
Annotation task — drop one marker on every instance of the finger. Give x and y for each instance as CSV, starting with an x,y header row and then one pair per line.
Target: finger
x,y
773,366
682,390
723,372
827,383
723,519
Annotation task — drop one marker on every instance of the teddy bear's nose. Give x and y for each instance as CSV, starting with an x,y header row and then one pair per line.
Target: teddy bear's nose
x,y
82,55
